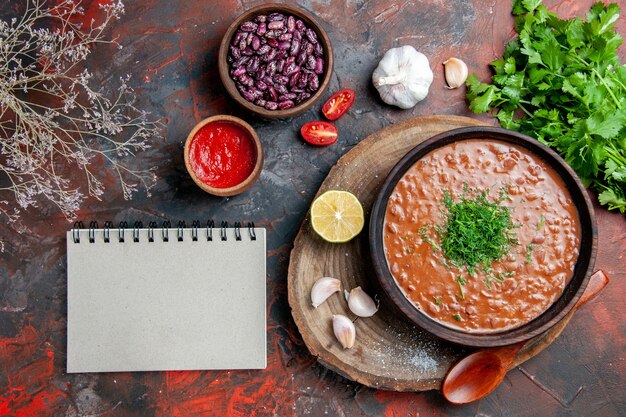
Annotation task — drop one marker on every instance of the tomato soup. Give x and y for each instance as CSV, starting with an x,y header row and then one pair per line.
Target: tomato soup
x,y
222,154
517,285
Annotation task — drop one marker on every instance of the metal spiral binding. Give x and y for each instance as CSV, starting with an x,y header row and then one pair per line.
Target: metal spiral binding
x,y
166,225
165,233
179,230
121,230
251,231
107,231
136,227
151,227
194,230
223,230
76,231
237,231
209,230
92,231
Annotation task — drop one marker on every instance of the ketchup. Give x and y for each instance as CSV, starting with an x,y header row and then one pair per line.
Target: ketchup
x,y
222,154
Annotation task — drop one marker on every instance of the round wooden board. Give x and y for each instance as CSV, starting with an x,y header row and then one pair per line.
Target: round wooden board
x,y
390,352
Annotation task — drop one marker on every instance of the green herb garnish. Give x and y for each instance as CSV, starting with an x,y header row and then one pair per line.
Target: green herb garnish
x,y
561,81
541,222
456,317
437,301
529,253
476,232
462,281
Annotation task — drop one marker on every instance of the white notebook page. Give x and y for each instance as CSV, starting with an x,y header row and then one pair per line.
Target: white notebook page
x,y
176,305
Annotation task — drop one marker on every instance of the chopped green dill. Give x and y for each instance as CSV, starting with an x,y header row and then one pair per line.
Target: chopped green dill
x,y
410,250
431,242
529,252
456,317
477,231
423,230
462,281
488,282
437,301
541,222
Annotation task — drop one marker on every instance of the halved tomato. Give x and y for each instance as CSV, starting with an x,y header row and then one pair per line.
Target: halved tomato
x,y
338,103
319,133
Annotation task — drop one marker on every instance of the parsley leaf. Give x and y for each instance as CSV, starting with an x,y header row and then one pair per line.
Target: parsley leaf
x,y
561,81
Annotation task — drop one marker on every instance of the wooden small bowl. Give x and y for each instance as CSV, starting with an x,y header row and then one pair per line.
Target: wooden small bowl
x,y
229,84
256,171
554,313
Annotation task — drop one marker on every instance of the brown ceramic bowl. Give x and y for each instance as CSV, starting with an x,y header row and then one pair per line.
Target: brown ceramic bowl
x,y
557,310
249,133
229,84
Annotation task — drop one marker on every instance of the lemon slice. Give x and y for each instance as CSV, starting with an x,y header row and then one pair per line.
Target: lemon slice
x,y
337,216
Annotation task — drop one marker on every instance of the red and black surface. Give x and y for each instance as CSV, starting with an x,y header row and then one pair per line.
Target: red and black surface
x,y
170,48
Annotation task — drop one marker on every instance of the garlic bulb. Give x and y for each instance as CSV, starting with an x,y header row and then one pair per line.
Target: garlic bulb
x,y
403,77
360,303
324,288
344,330
455,71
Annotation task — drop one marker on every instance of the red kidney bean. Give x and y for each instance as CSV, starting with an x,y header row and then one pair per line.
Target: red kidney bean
x,y
281,88
260,102
256,43
288,96
291,24
260,18
235,52
276,16
271,68
293,81
311,62
303,96
276,24
237,38
262,29
248,26
253,65
319,65
273,33
301,58
273,43
230,59
260,74
280,79
285,37
310,33
290,69
284,45
238,72
319,51
268,80
295,46
309,48
303,80
248,95
280,64
260,85
290,60
287,104
271,105
272,93
300,25
270,55
247,52
263,49
313,82
241,61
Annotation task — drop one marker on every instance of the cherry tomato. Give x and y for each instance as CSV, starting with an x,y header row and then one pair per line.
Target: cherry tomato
x,y
338,104
319,133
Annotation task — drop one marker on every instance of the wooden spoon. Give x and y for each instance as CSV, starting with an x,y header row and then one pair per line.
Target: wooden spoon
x,y
476,375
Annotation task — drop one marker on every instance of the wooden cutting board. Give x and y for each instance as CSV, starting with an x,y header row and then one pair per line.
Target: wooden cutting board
x,y
390,352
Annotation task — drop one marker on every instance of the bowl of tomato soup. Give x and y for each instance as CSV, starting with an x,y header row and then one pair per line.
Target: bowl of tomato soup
x,y
223,155
483,236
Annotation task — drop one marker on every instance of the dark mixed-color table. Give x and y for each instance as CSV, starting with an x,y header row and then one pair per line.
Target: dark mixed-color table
x,y
171,47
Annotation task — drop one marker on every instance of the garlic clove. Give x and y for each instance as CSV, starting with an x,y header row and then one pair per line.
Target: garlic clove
x,y
361,304
344,330
455,71
324,288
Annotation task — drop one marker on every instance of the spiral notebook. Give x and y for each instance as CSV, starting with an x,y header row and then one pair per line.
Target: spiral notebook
x,y
165,298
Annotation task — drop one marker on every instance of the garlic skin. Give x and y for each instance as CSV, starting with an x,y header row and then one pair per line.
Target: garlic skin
x,y
344,330
361,304
324,288
403,77
455,71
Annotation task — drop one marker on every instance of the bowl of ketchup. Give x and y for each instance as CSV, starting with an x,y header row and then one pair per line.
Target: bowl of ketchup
x,y
223,155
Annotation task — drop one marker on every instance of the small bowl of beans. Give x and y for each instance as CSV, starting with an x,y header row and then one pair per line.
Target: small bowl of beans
x,y
275,60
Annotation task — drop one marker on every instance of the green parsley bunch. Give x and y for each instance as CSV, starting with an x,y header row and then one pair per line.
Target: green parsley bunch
x,y
561,81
